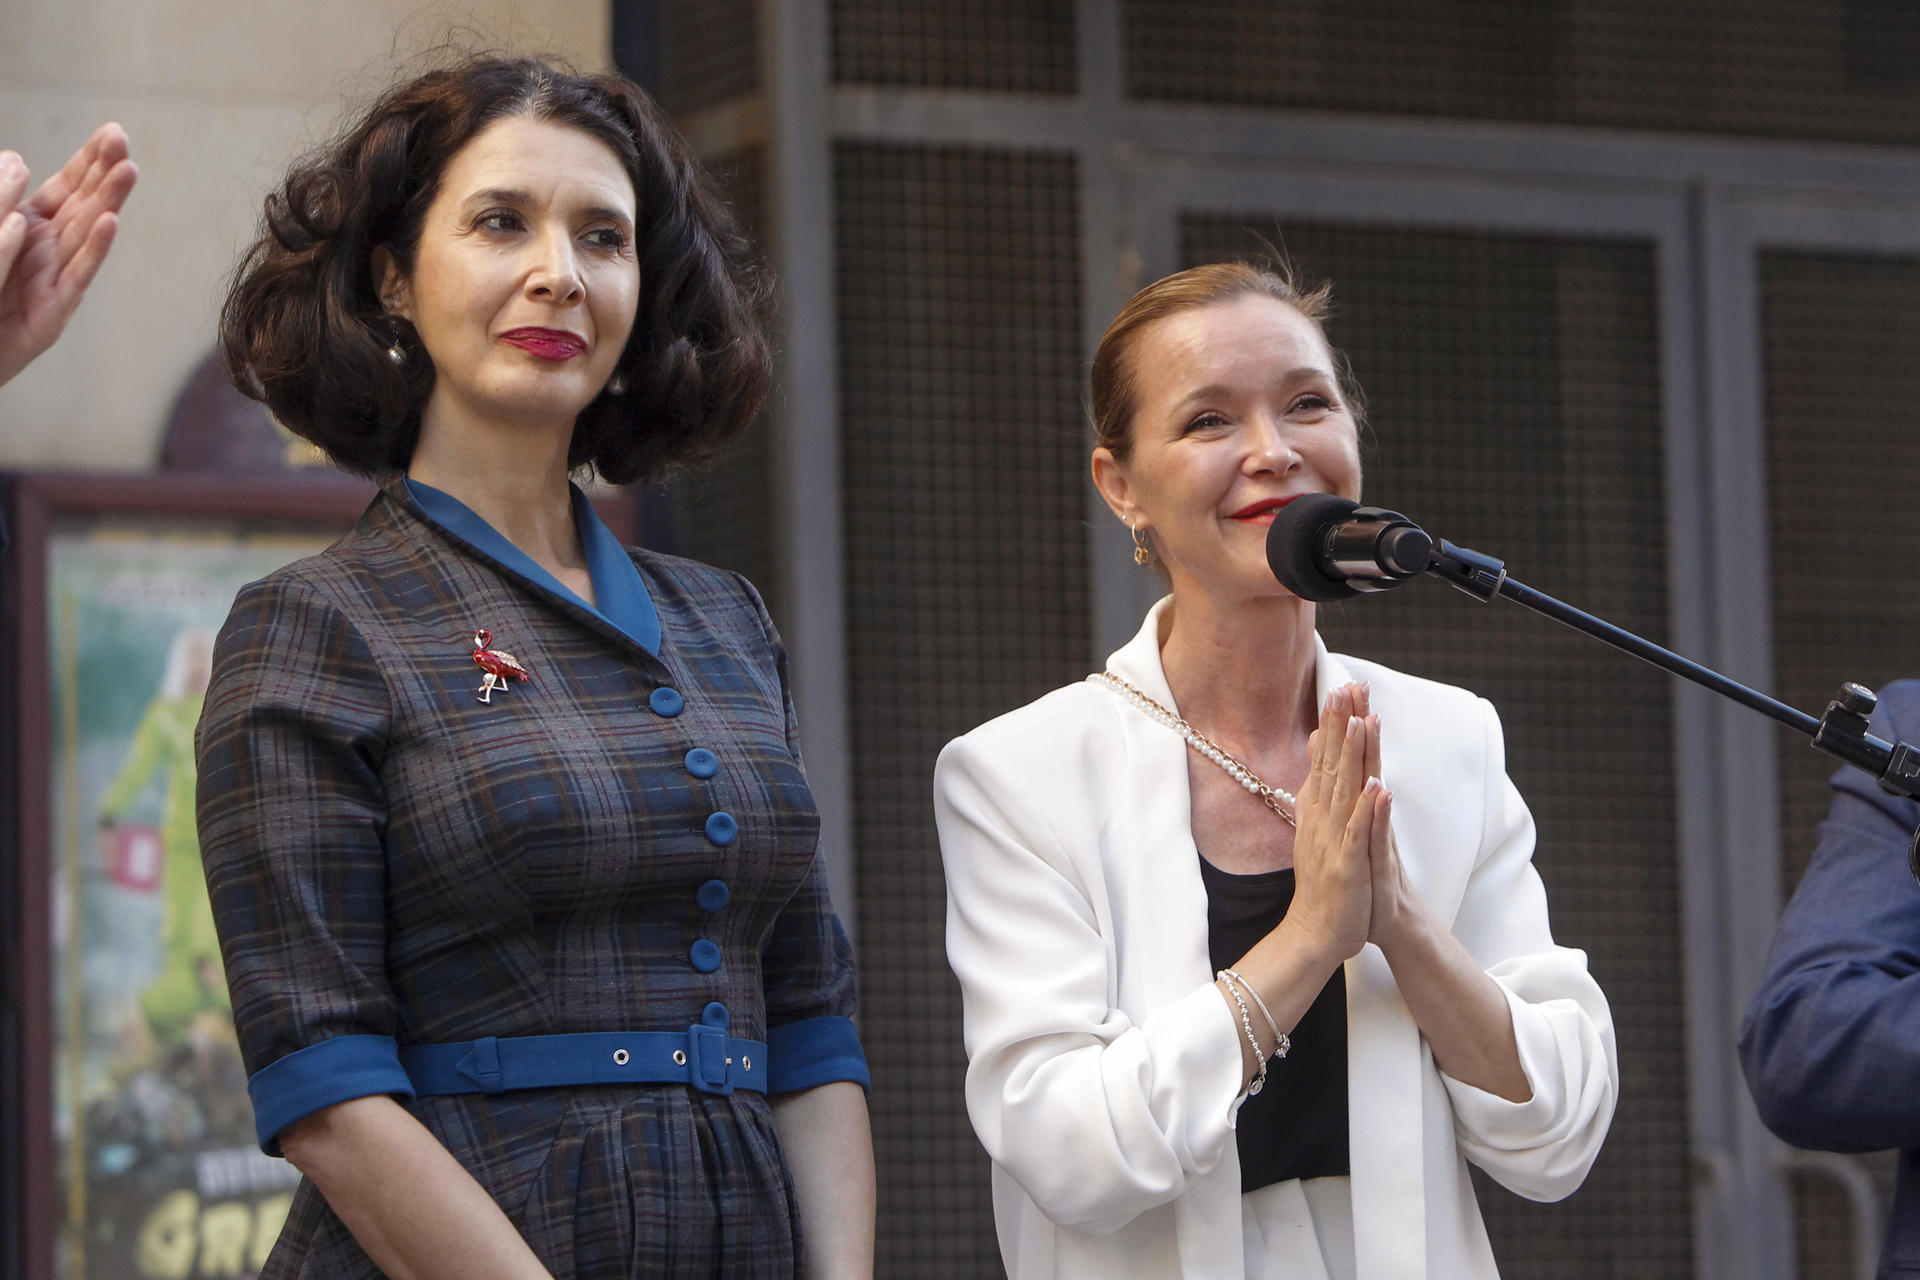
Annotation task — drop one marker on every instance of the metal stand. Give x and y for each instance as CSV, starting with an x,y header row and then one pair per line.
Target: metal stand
x,y
1841,731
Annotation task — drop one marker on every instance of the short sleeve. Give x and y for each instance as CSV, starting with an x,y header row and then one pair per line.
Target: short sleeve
x,y
807,962
292,820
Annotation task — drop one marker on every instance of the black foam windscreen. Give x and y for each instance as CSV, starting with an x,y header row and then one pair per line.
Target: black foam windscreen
x,y
1295,541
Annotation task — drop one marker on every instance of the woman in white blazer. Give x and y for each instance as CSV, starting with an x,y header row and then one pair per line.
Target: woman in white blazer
x,y
1390,981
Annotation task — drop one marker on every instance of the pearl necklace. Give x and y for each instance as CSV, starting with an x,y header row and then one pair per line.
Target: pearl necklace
x,y
1272,797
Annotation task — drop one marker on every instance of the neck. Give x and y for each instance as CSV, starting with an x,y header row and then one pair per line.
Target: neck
x,y
1243,671
512,476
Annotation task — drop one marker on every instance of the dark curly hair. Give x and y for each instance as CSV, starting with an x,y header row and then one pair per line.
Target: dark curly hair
x,y
303,329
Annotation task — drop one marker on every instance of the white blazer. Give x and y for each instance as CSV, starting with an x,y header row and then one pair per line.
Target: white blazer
x,y
1103,1070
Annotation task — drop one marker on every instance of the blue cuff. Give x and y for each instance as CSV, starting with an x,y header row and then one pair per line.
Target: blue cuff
x,y
815,1051
306,1080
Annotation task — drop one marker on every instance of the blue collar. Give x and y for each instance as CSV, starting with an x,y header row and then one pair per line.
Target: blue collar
x,y
622,597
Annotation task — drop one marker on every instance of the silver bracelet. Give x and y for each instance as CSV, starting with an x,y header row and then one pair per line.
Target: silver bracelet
x,y
1259,1081
1281,1042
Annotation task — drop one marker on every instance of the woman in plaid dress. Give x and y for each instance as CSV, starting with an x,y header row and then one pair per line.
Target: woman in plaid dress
x,y
508,839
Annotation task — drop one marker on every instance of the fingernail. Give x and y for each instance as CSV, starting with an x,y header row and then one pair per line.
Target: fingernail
x,y
1353,728
1373,785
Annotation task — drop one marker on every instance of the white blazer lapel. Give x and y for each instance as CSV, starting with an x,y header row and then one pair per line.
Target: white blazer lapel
x,y
1170,951
1384,1065
1166,956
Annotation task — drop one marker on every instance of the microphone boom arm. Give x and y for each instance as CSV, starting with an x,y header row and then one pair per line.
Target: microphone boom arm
x,y
1841,731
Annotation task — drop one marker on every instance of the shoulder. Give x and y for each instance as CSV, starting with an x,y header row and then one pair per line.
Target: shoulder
x,y
692,575
1453,733
378,559
1039,738
1900,703
717,597
298,592
1398,689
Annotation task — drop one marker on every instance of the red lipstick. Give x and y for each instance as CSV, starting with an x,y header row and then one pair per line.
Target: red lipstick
x,y
1262,512
548,344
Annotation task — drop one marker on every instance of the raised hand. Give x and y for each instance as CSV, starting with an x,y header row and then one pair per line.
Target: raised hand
x,y
52,245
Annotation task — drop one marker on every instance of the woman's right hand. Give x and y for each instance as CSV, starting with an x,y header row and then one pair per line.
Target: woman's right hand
x,y
1332,909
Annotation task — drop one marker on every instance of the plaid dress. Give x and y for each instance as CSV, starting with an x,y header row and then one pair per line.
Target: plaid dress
x,y
394,862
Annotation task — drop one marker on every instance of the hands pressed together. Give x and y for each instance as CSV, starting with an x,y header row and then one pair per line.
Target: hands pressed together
x,y
53,243
1350,887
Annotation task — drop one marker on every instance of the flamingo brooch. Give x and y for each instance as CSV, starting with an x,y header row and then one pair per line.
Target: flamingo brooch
x,y
500,667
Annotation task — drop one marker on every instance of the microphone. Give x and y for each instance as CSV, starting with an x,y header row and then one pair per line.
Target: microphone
x,y
1325,547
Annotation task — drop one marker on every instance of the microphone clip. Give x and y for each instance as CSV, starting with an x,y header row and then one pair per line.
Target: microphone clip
x,y
1480,576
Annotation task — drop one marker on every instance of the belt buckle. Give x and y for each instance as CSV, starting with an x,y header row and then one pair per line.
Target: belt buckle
x,y
709,1068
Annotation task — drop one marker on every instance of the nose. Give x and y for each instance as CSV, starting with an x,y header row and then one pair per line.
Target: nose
x,y
555,272
1270,449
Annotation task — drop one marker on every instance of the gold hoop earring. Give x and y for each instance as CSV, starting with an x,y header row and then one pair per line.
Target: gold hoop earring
x,y
1142,549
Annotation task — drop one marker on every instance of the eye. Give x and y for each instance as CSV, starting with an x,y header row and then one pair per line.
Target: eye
x,y
1311,402
611,239
499,220
1205,421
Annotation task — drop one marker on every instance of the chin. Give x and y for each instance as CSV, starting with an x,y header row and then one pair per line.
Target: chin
x,y
557,395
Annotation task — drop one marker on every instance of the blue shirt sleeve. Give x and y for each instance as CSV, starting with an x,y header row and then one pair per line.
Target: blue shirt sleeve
x,y
310,1079
815,1051
1831,1040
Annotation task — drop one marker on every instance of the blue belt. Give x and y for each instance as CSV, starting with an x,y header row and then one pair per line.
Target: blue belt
x,y
705,1057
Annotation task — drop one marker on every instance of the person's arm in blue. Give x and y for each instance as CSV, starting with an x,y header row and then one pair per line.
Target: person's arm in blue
x,y
1831,1041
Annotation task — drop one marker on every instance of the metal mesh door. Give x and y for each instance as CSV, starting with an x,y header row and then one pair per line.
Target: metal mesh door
x,y
962,467
1839,334
1009,46
1847,70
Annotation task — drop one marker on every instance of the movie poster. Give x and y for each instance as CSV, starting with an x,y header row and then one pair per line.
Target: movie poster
x,y
160,1176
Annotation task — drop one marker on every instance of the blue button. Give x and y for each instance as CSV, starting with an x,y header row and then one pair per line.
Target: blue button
x,y
713,895
721,828
715,1015
702,763
705,955
666,701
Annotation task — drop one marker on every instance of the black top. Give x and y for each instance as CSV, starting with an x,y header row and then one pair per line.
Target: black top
x,y
1295,1127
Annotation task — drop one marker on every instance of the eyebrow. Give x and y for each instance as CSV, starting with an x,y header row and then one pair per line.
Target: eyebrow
x,y
1213,390
517,197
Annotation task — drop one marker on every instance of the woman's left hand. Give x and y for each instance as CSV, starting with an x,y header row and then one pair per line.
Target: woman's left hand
x,y
1394,901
